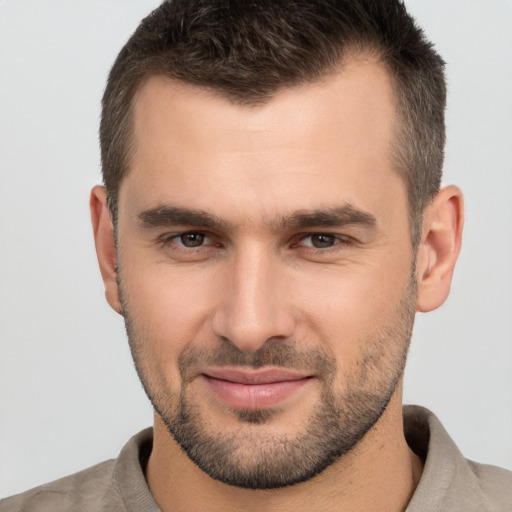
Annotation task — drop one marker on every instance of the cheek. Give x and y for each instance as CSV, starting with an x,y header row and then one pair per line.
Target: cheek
x,y
347,309
163,320
171,306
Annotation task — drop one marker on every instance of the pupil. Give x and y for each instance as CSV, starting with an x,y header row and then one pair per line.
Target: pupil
x,y
322,241
192,239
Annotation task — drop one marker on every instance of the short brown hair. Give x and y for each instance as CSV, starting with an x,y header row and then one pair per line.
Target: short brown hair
x,y
246,50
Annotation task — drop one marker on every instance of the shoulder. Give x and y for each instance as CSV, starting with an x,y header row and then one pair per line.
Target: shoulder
x,y
108,486
494,483
451,482
80,492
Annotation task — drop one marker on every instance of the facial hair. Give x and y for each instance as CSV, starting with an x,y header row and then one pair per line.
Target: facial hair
x,y
254,456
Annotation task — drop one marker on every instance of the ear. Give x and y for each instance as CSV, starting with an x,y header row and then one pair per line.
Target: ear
x,y
443,221
105,246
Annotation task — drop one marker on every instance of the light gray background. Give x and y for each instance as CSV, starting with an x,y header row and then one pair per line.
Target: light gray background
x,y
69,396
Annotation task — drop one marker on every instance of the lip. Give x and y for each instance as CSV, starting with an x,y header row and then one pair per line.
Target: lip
x,y
260,376
256,389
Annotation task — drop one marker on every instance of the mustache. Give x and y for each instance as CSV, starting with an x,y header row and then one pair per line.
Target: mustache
x,y
274,353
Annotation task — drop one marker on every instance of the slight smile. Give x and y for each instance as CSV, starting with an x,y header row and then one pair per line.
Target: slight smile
x,y
260,389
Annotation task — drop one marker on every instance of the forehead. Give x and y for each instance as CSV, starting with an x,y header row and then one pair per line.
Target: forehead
x,y
323,142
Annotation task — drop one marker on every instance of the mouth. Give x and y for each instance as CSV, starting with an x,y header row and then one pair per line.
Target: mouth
x,y
256,389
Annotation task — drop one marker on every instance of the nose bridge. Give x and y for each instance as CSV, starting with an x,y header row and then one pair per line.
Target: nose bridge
x,y
254,306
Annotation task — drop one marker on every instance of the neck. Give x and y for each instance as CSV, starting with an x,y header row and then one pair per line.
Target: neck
x,y
379,474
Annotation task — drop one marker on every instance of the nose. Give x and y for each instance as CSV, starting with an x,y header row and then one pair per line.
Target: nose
x,y
254,303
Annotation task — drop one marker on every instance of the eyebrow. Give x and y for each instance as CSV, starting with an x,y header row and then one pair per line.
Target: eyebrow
x,y
172,215
347,214
328,217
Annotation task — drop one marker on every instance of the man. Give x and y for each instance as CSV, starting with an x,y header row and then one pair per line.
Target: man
x,y
271,220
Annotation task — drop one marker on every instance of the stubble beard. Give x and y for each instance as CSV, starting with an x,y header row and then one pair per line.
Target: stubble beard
x,y
253,457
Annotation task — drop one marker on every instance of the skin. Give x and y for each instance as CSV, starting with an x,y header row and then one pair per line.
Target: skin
x,y
257,280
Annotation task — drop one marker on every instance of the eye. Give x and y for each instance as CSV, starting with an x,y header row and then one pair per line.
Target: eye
x,y
321,240
191,239
189,246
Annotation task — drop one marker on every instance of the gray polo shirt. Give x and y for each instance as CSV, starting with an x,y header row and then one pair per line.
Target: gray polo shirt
x,y
449,482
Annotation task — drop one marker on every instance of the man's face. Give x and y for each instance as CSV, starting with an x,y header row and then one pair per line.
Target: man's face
x,y
266,271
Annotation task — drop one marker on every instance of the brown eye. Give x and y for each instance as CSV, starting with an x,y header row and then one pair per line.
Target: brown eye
x,y
192,239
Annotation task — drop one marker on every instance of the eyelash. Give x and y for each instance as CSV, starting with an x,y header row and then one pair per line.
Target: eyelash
x,y
168,239
337,240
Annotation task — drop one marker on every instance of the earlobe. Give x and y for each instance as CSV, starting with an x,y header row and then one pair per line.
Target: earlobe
x,y
443,221
105,246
